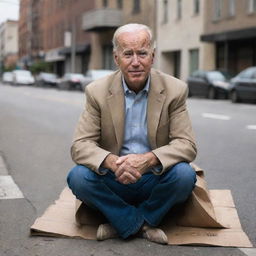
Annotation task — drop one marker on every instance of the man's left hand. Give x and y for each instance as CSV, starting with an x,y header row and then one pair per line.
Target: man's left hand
x,y
132,166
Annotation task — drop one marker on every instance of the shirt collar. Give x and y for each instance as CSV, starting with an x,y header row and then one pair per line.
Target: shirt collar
x,y
127,90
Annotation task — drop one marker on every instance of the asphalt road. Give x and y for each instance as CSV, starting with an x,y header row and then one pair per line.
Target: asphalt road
x,y
36,128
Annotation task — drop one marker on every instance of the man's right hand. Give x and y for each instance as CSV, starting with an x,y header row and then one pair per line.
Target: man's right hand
x,y
110,162
123,175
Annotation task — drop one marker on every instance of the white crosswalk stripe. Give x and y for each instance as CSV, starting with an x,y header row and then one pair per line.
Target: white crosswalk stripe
x,y
251,127
249,251
216,116
8,188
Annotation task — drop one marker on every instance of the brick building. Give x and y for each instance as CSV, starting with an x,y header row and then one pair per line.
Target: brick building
x,y
45,30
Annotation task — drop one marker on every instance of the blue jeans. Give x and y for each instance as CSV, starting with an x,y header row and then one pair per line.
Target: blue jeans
x,y
127,207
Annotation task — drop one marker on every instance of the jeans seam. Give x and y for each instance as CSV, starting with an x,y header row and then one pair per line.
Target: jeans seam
x,y
133,230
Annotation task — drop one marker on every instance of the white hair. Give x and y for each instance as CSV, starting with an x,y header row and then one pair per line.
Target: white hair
x,y
132,27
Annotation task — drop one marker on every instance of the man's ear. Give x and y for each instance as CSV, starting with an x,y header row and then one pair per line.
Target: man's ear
x,y
115,58
153,56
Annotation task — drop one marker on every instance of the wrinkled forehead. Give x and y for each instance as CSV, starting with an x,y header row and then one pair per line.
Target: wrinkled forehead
x,y
133,40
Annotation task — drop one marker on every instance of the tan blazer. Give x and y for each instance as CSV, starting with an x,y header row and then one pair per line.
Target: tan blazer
x,y
100,129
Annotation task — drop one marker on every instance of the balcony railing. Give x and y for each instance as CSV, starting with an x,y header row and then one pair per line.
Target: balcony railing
x,y
101,19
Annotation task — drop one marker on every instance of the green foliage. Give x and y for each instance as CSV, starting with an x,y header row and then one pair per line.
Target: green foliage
x,y
8,69
40,66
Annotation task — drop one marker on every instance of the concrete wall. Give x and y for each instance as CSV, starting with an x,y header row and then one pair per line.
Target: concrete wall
x,y
241,19
181,35
146,16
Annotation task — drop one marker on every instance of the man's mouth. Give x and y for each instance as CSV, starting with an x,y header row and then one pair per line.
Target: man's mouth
x,y
136,71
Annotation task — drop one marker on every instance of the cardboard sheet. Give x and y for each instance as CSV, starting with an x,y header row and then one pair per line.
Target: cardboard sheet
x,y
61,219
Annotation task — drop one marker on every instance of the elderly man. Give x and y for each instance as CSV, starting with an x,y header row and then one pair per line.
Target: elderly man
x,y
133,142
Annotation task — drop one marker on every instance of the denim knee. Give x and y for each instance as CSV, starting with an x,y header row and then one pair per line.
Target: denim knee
x,y
80,175
184,175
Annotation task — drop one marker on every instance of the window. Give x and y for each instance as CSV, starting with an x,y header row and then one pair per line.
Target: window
x,y
193,60
120,4
179,10
251,6
108,61
217,9
165,11
196,7
105,3
231,8
136,6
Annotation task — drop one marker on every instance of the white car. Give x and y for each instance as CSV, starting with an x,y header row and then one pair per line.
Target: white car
x,y
94,74
7,77
22,77
71,81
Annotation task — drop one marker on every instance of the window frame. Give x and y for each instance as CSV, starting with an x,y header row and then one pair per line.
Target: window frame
x,y
136,6
196,7
179,9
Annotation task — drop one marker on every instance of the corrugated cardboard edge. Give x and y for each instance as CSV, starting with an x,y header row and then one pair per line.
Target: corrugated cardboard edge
x,y
59,221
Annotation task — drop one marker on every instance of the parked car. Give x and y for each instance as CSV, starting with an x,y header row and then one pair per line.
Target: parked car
x,y
71,81
22,77
243,86
210,84
7,77
94,74
46,79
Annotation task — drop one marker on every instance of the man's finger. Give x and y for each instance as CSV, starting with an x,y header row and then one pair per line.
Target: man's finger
x,y
127,178
121,159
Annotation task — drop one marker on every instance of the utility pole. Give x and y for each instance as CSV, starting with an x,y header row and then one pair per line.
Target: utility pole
x,y
73,47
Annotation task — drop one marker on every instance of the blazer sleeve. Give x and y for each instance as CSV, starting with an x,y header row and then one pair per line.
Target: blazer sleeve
x,y
181,146
85,149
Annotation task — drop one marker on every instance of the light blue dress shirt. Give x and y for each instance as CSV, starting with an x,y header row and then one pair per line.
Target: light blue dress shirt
x,y
135,131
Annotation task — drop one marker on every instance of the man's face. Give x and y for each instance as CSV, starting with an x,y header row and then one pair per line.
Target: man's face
x,y
134,57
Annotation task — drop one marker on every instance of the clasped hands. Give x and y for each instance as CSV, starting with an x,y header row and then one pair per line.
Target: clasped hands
x,y
129,169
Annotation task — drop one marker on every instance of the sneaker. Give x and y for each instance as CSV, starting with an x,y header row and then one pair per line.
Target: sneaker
x,y
106,231
155,235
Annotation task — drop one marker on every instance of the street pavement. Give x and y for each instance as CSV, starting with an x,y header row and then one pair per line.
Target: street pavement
x,y
36,129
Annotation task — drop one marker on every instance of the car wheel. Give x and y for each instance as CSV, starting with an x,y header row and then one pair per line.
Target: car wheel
x,y
234,97
212,94
64,86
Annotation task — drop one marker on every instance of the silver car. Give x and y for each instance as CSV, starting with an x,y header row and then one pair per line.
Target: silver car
x,y
7,77
22,77
94,74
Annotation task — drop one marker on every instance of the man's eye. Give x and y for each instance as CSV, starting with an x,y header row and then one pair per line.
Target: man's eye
x,y
127,54
143,54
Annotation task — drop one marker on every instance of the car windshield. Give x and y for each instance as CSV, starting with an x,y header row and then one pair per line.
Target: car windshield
x,y
22,73
216,76
96,74
77,76
7,75
248,73
49,76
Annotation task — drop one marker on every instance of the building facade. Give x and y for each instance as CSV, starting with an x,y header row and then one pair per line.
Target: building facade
x,y
180,24
8,44
103,20
54,30
230,25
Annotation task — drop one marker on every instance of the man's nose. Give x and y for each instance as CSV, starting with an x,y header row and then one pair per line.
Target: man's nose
x,y
135,60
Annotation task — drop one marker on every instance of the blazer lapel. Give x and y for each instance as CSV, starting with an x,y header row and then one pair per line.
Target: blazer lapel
x,y
156,100
116,105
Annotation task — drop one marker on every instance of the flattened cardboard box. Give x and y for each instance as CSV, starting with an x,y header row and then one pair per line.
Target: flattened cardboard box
x,y
207,218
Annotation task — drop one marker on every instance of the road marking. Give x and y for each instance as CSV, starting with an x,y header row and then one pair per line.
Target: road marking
x,y
3,169
9,189
216,116
249,251
251,127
